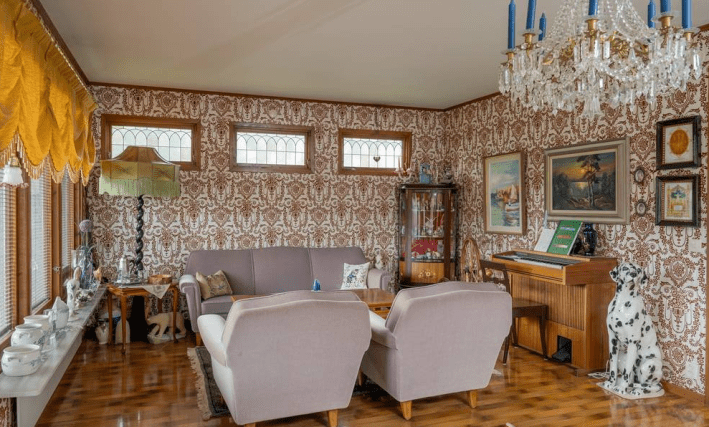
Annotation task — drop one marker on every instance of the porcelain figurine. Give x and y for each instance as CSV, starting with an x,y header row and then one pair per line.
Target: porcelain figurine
x,y
72,286
163,321
635,356
62,312
102,333
379,262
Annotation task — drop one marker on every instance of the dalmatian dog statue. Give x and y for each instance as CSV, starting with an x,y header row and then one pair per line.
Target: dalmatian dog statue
x,y
635,357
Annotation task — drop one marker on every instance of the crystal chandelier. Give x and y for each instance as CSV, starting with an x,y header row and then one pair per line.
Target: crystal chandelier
x,y
600,51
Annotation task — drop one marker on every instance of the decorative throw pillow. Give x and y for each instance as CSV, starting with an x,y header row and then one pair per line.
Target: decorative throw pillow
x,y
214,285
355,276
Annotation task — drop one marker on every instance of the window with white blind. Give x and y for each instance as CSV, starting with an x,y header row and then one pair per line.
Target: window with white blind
x,y
371,152
67,191
40,241
271,148
7,258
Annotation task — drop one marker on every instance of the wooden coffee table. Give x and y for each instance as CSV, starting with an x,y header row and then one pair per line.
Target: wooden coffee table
x,y
378,300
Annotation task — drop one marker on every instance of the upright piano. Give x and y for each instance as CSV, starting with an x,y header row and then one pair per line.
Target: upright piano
x,y
577,291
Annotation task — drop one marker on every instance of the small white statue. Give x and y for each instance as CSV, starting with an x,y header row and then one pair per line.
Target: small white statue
x,y
163,321
72,286
102,333
379,262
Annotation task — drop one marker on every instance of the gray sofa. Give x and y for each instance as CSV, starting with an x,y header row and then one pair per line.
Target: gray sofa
x,y
267,271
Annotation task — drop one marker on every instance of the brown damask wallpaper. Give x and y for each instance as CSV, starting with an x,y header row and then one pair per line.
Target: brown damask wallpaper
x,y
674,257
223,209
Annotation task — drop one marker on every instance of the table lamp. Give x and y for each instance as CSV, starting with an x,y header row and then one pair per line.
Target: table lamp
x,y
138,172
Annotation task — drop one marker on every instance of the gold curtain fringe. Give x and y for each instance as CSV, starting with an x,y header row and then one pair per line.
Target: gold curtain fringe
x,y
16,148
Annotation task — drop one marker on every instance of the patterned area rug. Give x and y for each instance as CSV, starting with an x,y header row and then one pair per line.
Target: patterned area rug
x,y
209,398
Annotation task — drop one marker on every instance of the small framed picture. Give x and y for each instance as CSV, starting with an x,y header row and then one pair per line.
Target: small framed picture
x,y
641,208
678,143
677,202
639,175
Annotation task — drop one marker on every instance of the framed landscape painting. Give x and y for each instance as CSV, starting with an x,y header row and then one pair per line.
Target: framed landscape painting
x,y
503,183
677,202
588,182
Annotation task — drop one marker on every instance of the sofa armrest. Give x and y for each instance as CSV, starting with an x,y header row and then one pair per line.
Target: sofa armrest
x,y
380,333
379,279
189,286
212,329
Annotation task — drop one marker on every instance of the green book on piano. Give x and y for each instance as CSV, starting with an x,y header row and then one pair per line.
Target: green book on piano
x,y
564,237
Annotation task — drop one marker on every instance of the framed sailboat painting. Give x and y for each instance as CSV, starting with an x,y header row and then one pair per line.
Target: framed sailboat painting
x,y
503,182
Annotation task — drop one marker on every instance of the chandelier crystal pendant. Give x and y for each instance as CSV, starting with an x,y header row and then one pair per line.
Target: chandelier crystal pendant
x,y
600,51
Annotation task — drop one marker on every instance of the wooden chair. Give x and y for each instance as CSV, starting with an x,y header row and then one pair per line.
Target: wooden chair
x,y
470,261
520,307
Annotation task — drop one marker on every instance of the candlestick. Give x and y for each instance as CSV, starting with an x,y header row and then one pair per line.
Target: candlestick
x,y
651,14
542,27
531,6
593,7
686,13
665,6
511,26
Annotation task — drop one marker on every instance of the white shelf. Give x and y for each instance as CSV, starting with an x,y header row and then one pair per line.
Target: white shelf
x,y
33,391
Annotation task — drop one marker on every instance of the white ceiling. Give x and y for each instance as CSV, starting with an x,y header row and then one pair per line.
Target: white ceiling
x,y
422,53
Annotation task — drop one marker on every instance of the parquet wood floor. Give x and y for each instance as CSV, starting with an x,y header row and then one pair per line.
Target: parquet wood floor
x,y
154,386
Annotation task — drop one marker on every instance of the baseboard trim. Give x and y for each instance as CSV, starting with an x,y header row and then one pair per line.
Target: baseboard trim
x,y
681,391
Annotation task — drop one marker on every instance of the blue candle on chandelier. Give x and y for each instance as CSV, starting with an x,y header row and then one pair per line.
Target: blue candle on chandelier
x,y
665,6
511,26
542,27
651,14
531,6
686,13
593,7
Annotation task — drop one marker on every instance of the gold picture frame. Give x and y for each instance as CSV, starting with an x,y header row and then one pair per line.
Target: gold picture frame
x,y
505,195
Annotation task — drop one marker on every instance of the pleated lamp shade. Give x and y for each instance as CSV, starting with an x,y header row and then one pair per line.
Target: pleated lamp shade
x,y
139,171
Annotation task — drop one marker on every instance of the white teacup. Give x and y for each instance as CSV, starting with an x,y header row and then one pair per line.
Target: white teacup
x,y
21,360
28,333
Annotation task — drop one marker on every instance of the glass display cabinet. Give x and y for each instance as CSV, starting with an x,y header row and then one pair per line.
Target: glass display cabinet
x,y
428,226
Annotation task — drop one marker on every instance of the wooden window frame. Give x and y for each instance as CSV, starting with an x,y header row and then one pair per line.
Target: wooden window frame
x,y
307,131
405,138
110,120
23,287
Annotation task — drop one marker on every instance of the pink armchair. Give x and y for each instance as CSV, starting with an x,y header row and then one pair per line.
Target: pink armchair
x,y
438,339
287,354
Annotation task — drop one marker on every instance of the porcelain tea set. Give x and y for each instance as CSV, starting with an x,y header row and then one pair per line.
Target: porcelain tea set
x,y
32,341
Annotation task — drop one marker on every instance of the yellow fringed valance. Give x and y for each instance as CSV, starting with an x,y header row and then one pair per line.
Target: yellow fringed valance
x,y
45,110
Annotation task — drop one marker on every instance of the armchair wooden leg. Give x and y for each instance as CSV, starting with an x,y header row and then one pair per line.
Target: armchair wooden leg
x,y
406,409
473,398
332,418
198,339
507,345
250,425
360,378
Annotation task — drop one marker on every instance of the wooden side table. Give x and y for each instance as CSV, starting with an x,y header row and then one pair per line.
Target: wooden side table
x,y
123,292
